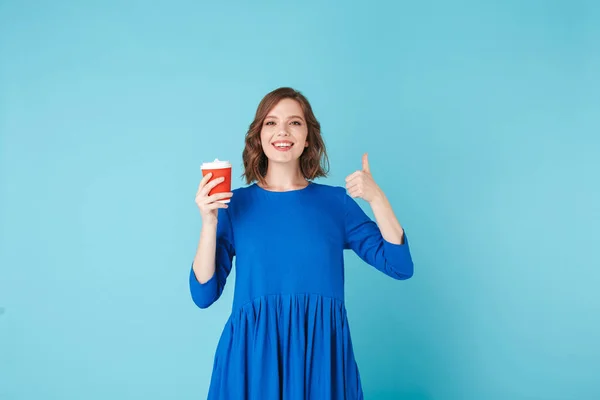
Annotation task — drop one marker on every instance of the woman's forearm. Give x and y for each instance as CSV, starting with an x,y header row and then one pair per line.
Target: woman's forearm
x,y
390,227
204,261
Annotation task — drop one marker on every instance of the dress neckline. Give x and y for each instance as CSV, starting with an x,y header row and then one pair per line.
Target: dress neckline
x,y
285,191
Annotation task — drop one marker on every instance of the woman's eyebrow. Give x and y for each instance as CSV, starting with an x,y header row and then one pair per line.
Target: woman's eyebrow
x,y
290,117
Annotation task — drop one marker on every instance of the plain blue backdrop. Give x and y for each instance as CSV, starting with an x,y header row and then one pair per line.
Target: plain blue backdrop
x,y
481,120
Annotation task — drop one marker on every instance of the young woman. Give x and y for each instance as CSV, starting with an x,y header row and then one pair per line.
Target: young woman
x,y
287,336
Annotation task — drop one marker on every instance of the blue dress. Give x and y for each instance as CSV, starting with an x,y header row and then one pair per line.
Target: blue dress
x,y
287,336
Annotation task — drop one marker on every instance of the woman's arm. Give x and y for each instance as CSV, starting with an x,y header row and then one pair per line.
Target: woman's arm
x,y
361,184
383,243
215,251
390,227
204,260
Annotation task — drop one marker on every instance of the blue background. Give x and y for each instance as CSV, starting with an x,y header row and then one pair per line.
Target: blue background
x,y
482,125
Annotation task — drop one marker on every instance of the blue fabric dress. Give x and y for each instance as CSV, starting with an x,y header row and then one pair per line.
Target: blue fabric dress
x,y
287,336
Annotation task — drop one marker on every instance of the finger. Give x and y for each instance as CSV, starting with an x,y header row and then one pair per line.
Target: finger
x,y
355,192
216,204
218,196
353,175
211,185
365,163
353,184
205,179
355,181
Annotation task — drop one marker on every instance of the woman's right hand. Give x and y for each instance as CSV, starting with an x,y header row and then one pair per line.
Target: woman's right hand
x,y
209,205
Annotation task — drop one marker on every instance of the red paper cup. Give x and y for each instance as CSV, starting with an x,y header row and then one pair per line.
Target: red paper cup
x,y
219,169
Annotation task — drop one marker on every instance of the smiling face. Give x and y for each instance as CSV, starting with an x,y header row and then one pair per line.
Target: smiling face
x,y
284,132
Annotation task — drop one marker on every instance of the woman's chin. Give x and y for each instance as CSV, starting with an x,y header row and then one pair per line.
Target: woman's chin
x,y
283,158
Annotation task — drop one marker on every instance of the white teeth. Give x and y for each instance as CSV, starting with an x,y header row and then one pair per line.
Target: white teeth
x,y
283,145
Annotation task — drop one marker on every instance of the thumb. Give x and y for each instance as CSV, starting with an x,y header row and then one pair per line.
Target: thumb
x,y
365,163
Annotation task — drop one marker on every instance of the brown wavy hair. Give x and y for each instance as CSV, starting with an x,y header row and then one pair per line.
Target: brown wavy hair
x,y
314,162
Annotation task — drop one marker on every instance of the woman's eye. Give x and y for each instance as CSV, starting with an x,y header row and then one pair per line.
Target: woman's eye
x,y
296,123
269,123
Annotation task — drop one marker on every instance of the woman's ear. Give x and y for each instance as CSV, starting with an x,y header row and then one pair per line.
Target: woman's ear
x,y
305,144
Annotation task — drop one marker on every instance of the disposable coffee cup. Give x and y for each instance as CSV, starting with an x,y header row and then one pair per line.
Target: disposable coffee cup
x,y
219,169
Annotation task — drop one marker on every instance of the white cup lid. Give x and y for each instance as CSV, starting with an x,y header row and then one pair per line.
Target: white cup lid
x,y
216,164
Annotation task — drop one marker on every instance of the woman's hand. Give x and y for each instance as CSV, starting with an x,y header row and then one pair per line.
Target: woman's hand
x,y
361,184
209,205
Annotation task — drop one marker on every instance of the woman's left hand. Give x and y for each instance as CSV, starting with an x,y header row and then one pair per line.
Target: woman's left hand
x,y
361,184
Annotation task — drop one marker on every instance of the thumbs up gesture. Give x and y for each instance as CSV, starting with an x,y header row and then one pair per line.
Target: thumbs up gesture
x,y
361,184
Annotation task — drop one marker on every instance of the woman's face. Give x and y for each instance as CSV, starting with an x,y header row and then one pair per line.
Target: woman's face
x,y
284,132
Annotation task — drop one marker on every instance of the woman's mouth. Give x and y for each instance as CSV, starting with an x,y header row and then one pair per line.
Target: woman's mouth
x,y
283,146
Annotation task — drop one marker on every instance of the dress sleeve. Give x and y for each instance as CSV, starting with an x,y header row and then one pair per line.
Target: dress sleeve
x,y
362,235
205,294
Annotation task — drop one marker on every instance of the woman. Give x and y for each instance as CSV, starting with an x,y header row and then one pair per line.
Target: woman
x,y
287,336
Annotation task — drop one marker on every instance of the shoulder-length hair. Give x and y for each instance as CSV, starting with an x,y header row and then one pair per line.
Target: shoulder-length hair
x,y
314,162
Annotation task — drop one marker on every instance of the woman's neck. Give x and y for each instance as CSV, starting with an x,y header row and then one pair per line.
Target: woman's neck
x,y
280,178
